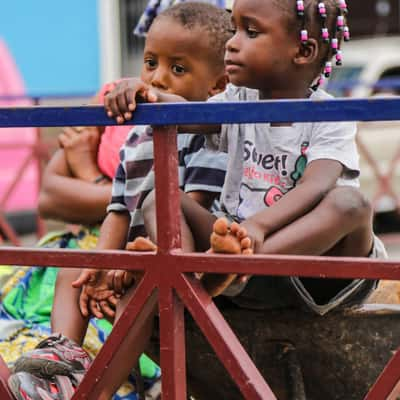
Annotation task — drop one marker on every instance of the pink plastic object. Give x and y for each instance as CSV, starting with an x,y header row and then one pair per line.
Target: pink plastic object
x,y
16,144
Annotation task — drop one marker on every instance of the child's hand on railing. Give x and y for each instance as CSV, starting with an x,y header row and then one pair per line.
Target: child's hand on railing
x,y
96,298
121,101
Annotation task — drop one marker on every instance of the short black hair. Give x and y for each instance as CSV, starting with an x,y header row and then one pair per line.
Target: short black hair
x,y
215,21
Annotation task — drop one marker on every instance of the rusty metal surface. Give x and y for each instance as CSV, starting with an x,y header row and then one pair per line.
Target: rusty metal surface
x,y
340,355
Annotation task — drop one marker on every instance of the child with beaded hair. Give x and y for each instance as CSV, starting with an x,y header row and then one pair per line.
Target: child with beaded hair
x,y
289,188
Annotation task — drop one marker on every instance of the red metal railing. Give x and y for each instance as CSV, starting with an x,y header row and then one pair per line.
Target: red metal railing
x,y
166,281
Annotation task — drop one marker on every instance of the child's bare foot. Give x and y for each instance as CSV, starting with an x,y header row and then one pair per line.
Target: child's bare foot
x,y
227,240
141,244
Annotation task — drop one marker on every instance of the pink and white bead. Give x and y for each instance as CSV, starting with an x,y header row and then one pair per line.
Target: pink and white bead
x,y
325,35
339,58
340,22
343,5
335,45
328,69
346,34
322,10
304,36
300,7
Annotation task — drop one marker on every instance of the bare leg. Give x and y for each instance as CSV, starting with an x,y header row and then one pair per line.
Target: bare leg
x,y
346,230
66,300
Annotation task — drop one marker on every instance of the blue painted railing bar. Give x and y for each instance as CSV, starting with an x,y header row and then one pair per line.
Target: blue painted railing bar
x,y
379,109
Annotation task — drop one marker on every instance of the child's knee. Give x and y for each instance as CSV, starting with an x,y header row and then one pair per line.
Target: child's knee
x,y
348,202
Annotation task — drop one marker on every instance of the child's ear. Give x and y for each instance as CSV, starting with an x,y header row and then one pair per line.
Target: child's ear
x,y
307,53
220,85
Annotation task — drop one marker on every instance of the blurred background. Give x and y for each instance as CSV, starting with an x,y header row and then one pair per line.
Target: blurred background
x,y
62,52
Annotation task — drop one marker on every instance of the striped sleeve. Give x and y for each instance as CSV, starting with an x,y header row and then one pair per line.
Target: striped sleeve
x,y
118,187
200,169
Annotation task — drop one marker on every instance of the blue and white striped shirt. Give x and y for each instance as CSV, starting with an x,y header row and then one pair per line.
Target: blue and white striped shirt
x,y
199,170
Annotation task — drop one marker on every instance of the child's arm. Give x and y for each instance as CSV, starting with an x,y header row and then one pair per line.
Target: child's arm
x,y
121,102
58,195
319,178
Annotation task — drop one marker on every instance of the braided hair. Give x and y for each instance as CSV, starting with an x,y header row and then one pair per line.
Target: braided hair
x,y
327,20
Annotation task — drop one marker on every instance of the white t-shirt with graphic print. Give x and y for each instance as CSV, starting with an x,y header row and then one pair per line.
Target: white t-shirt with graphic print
x,y
265,161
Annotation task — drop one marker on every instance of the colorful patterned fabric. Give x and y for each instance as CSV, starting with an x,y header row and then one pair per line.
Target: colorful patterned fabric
x,y
27,300
155,7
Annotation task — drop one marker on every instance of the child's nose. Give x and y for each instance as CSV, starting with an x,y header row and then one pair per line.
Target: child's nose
x,y
159,80
232,44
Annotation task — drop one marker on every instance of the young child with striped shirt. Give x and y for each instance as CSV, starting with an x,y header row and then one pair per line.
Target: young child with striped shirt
x,y
175,62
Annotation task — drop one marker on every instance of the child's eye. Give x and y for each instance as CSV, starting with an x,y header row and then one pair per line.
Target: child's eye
x,y
178,69
150,63
251,33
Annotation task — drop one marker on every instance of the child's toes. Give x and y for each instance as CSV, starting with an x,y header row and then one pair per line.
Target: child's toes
x,y
245,243
235,227
141,244
221,226
241,233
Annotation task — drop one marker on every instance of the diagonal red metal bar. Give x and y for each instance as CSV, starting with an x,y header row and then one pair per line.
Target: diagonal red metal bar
x,y
167,188
5,393
223,340
172,344
388,379
141,305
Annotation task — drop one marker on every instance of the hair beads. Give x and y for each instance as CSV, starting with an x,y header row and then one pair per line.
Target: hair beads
x,y
300,8
339,58
334,29
322,10
343,6
346,33
328,69
304,36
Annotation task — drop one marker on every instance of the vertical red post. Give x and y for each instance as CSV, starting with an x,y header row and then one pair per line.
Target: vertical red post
x,y
172,335
172,345
167,188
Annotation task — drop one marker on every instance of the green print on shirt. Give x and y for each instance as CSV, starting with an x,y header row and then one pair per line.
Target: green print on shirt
x,y
300,164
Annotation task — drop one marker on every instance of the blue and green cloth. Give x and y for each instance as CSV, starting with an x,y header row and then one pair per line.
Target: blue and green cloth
x,y
27,299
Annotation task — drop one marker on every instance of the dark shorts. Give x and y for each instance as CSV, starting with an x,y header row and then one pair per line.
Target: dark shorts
x,y
318,295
